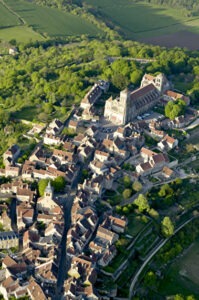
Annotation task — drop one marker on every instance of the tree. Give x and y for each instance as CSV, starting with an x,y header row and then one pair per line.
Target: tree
x,y
137,186
42,186
120,81
153,213
175,109
178,297
127,181
167,227
165,190
136,76
127,193
125,210
142,203
59,184
190,297
150,279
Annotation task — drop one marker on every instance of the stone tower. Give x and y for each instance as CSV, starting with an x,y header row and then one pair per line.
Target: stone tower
x,y
161,83
123,109
48,194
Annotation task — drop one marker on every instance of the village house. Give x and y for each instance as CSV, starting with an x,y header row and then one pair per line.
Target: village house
x,y
12,171
24,194
107,256
73,124
55,127
11,155
174,96
24,216
98,167
106,236
50,139
116,224
167,172
91,97
168,143
5,220
8,239
35,291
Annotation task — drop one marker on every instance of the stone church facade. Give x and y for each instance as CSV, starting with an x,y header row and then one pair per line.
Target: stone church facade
x,y
130,104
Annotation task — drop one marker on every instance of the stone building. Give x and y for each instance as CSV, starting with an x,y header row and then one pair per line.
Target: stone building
x,y
8,239
130,104
46,203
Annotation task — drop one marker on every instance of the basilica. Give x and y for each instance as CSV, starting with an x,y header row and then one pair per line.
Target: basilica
x,y
130,104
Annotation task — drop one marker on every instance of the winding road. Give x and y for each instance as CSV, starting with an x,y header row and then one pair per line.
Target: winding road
x,y
158,247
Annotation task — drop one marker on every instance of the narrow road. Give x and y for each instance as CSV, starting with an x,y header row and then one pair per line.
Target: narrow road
x,y
158,247
64,263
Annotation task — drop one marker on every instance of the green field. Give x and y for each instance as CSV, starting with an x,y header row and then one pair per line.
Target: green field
x,y
20,33
42,22
7,19
182,276
142,20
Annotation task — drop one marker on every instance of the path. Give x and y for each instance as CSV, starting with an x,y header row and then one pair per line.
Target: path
x,y
22,21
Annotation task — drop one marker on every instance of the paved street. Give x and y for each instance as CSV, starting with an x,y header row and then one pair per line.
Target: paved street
x,y
64,263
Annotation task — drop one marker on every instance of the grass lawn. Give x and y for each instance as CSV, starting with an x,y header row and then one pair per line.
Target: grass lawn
x,y
182,276
22,34
139,20
51,21
135,225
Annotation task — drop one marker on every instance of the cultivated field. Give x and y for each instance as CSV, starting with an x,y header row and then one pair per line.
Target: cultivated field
x,y
182,277
20,33
7,19
42,20
149,23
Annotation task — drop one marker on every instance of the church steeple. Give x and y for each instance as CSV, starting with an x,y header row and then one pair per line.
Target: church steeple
x,y
48,194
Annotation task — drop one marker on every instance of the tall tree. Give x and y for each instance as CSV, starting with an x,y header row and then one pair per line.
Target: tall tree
x,y
167,227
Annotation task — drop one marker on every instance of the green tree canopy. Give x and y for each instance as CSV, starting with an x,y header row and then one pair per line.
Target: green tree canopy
x,y
42,186
127,193
59,184
167,227
165,190
137,186
175,109
150,279
142,203
127,181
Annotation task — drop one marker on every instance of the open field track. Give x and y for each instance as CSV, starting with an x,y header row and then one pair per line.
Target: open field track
x,y
18,15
